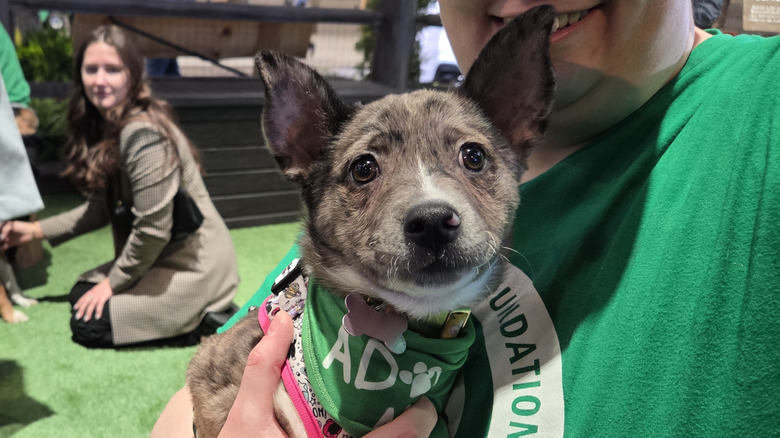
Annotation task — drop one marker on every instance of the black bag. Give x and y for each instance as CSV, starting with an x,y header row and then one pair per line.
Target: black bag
x,y
187,217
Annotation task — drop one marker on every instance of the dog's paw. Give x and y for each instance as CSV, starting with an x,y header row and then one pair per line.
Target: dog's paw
x,y
16,316
21,300
421,378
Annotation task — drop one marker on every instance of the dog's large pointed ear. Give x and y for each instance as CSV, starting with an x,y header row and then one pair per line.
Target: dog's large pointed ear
x,y
301,112
513,80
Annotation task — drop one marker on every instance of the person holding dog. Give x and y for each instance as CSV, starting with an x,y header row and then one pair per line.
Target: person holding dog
x,y
649,225
131,160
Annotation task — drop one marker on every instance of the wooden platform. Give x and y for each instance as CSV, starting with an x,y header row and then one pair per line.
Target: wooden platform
x,y
222,117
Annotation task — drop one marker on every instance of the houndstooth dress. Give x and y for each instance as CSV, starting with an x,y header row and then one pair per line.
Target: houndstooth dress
x,y
161,288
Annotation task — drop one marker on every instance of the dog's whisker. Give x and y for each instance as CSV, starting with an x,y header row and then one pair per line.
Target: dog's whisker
x,y
492,244
392,267
486,288
506,248
528,262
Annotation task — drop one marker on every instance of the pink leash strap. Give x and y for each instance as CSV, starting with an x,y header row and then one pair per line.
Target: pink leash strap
x,y
310,423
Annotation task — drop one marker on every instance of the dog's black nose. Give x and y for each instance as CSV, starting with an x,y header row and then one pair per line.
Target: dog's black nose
x,y
432,226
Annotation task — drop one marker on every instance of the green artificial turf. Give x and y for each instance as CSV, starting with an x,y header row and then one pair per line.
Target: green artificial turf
x,y
51,387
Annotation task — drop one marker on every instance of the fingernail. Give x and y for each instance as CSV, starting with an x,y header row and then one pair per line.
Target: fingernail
x,y
272,328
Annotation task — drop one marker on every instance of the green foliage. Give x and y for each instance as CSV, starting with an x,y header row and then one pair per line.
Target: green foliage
x,y
53,115
46,55
52,127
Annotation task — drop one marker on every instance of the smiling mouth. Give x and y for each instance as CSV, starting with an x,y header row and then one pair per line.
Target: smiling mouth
x,y
562,21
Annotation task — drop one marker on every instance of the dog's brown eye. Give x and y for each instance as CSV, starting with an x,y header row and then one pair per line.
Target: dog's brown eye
x,y
364,169
472,157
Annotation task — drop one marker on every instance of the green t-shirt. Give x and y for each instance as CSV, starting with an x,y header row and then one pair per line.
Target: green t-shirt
x,y
16,85
655,251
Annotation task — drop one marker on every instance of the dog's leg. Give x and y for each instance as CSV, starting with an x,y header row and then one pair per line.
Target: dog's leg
x,y
7,311
11,286
8,284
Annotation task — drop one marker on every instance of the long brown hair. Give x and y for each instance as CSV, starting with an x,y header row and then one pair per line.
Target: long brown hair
x,y
92,148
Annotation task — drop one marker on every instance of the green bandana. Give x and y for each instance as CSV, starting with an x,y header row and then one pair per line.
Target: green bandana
x,y
347,371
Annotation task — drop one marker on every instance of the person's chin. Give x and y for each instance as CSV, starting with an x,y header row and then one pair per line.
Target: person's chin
x,y
104,104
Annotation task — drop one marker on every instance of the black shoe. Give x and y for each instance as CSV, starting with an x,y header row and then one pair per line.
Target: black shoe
x,y
214,320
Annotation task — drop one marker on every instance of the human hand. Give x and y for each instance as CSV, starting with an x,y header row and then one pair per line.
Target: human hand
x,y
93,301
15,233
417,421
252,413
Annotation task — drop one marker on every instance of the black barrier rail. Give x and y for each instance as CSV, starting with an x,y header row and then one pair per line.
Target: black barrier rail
x,y
219,11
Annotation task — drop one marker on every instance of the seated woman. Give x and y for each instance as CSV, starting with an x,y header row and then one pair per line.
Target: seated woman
x,y
130,159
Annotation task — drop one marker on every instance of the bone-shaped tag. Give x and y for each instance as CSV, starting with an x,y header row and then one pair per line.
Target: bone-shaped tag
x,y
362,319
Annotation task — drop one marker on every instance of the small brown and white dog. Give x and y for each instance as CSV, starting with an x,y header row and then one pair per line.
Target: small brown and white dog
x,y
407,199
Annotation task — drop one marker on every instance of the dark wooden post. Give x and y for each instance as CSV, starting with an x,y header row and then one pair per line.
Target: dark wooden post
x,y
5,16
394,43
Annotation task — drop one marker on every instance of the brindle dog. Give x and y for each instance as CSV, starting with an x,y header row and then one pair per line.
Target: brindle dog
x,y
407,199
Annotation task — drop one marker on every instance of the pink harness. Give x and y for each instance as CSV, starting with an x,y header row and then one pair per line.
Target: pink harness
x,y
289,294
313,429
